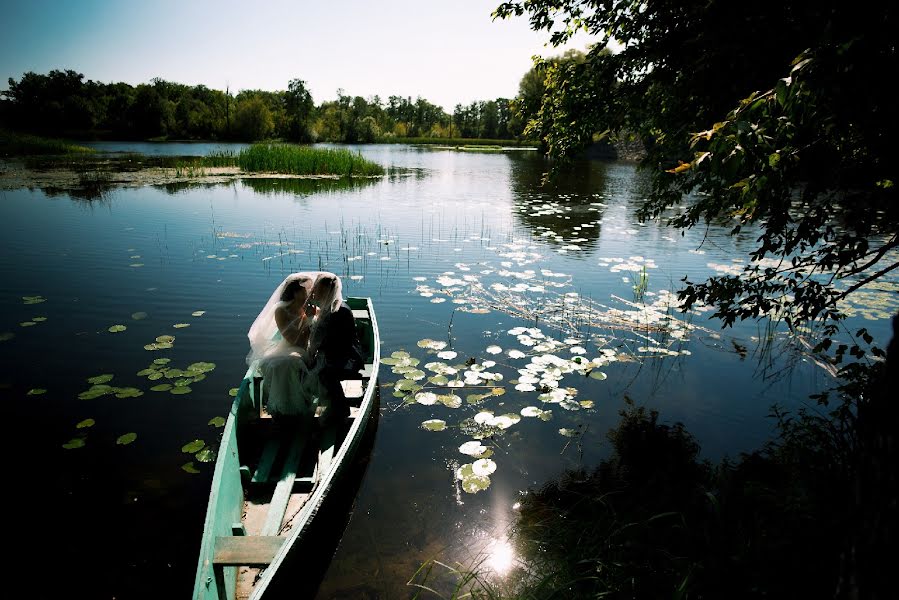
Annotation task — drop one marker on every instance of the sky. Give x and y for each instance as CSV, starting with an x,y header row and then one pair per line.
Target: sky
x,y
446,51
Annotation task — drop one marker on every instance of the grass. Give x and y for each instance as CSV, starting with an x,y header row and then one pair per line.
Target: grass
x,y
22,144
302,160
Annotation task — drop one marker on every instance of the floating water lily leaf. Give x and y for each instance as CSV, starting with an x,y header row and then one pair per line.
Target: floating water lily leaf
x,y
598,375
505,421
74,443
181,325
151,347
37,391
145,372
165,339
38,319
474,448
128,392
475,398
198,313
217,421
192,447
139,316
183,382
483,417
483,467
586,403
201,367
406,385
33,299
174,373
530,411
199,377
155,376
180,390
399,354
116,328
96,391
426,398
447,355
497,391
6,336
189,468
438,380
27,324
162,361
124,440
98,379
205,455
86,423
569,432
475,483
233,392
450,400
162,387
493,350
389,361
136,265
414,375
434,425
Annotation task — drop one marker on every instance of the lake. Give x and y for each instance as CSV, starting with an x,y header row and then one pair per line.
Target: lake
x,y
462,253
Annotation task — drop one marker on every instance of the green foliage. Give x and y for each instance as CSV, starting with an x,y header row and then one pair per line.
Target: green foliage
x,y
301,160
253,120
20,144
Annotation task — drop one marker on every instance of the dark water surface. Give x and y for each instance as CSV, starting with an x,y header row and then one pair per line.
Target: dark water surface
x,y
124,520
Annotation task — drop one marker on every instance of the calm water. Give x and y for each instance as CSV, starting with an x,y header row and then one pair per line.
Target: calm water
x,y
124,520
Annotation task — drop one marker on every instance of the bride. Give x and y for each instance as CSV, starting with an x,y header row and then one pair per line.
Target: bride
x,y
279,339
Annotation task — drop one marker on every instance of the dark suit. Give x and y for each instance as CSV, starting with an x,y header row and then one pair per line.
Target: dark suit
x,y
342,355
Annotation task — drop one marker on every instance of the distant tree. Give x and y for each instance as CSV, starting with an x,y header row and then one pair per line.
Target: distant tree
x,y
299,106
253,119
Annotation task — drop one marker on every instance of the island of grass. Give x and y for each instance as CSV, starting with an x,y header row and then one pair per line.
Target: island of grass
x,y
297,160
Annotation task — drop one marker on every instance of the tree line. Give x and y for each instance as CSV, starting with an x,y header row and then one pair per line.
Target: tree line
x,y
62,103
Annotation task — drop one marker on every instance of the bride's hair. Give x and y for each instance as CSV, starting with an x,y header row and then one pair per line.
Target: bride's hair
x,y
327,288
292,287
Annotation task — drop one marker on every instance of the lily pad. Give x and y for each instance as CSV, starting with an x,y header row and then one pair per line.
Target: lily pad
x,y
233,392
33,299
201,367
474,448
162,387
193,447
128,392
450,400
475,484
483,467
124,440
86,423
205,455
198,313
145,372
447,355
6,336
38,319
162,361
438,380
181,325
434,425
116,328
426,398
180,390
155,376
189,468
217,421
165,339
27,324
569,432
493,350
37,392
139,316
598,375
399,354
98,379
74,443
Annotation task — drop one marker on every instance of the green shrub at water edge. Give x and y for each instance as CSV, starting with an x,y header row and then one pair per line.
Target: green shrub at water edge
x,y
21,144
302,160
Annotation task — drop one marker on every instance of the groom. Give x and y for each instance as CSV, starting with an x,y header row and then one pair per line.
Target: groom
x,y
338,344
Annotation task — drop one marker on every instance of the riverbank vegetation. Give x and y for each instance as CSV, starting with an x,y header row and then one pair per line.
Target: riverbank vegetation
x,y
793,137
62,103
654,520
22,144
301,160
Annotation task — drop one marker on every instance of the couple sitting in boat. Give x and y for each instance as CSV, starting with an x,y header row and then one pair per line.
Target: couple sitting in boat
x,y
305,341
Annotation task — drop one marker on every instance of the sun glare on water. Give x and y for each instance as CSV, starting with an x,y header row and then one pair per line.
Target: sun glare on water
x,y
500,557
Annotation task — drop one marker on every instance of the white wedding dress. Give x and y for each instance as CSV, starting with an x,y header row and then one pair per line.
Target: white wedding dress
x,y
292,387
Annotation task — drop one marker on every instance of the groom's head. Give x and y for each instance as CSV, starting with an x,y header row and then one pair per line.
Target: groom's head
x,y
323,290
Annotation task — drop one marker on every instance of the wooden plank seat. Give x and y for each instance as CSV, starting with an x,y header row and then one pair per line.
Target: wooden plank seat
x,y
254,550
284,487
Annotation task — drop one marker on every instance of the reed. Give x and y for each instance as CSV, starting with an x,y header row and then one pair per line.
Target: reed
x,y
302,160
22,144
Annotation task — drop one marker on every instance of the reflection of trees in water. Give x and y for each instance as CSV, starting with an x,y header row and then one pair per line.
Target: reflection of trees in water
x,y
304,187
571,195
653,520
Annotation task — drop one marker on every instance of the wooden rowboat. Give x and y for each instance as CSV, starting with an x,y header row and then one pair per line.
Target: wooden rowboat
x,y
272,477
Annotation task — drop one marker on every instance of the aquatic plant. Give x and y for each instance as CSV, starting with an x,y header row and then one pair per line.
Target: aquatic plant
x,y
303,160
21,144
